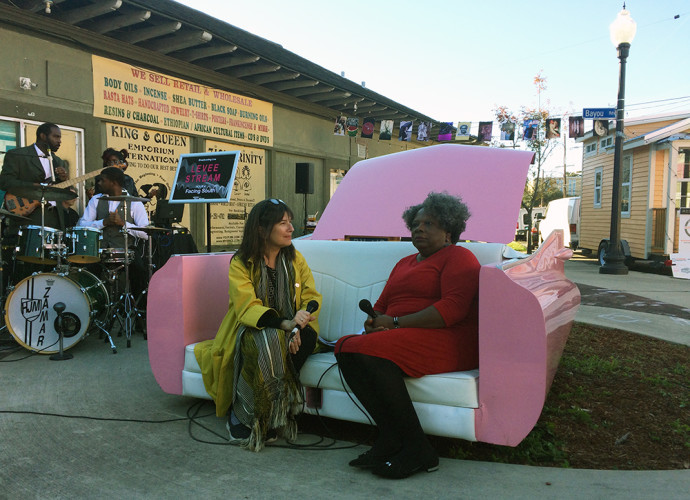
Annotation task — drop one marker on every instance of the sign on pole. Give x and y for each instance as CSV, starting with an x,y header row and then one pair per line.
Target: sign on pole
x,y
599,113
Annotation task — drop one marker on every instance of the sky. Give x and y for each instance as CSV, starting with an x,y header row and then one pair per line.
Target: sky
x,y
458,61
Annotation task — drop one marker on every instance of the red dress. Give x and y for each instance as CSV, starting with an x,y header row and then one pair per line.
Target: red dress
x,y
449,280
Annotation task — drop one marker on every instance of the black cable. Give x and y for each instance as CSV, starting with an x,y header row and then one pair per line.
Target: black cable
x,y
32,353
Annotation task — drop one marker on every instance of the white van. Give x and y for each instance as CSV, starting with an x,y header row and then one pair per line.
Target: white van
x,y
562,214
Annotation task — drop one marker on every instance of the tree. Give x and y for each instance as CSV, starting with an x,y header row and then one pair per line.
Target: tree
x,y
536,142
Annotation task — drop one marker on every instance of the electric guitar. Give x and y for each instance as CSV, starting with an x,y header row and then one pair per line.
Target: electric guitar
x,y
25,206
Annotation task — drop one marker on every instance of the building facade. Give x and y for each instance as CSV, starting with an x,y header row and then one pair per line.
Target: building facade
x,y
160,79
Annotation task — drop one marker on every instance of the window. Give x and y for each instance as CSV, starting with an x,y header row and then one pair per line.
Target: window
x,y
590,149
606,142
572,187
598,181
626,185
683,172
8,137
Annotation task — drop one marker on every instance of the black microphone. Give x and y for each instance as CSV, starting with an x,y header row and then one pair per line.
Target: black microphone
x,y
366,306
311,307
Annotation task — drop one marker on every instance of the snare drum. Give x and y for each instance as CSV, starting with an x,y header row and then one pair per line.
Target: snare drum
x,y
29,246
116,255
30,316
83,244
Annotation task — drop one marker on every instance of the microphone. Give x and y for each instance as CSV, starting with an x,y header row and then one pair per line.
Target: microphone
x,y
50,160
311,307
366,306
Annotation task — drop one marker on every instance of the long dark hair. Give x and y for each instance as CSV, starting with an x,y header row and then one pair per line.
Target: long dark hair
x,y
257,229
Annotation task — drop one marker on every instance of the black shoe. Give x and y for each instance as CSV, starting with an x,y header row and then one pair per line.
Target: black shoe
x,y
368,460
238,432
405,464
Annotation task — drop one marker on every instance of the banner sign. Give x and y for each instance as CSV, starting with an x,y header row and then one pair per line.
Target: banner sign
x,y
249,188
205,177
131,94
599,113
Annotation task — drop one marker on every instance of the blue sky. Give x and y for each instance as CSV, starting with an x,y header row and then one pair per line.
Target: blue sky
x,y
456,61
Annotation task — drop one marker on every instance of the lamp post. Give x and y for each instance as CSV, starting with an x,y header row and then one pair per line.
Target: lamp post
x,y
622,33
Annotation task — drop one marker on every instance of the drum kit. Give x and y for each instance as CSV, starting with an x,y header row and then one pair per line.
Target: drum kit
x,y
49,312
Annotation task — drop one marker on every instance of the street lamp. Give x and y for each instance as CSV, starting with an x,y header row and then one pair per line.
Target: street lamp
x,y
622,33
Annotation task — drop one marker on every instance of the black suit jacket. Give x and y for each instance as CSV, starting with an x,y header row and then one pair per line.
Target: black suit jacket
x,y
22,168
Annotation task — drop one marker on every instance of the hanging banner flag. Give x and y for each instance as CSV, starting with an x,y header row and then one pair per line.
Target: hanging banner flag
x,y
368,128
576,127
352,126
553,128
485,130
446,131
463,131
508,131
531,127
405,133
423,131
386,131
339,127
601,128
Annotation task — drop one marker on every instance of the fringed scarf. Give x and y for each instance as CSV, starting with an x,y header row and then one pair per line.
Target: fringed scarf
x,y
267,393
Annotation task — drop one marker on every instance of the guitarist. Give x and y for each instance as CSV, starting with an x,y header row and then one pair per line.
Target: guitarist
x,y
24,167
31,165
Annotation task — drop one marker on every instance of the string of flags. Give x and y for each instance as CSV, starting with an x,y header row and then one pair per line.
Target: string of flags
x,y
575,128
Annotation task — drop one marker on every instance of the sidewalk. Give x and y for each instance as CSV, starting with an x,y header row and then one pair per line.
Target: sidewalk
x,y
644,303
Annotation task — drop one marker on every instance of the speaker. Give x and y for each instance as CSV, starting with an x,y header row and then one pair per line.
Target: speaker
x,y
304,178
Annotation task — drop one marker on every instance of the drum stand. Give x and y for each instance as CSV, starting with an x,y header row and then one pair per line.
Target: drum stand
x,y
124,309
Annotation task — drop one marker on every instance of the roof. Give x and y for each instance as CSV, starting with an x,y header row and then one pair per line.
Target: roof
x,y
164,32
374,193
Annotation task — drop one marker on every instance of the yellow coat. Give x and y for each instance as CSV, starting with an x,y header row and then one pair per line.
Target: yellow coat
x,y
216,357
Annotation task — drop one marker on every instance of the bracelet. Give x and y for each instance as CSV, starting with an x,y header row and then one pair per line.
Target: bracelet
x,y
396,323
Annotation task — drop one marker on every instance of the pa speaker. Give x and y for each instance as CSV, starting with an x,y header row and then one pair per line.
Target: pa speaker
x,y
304,178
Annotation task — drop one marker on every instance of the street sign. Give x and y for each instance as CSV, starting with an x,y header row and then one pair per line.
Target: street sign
x,y
599,113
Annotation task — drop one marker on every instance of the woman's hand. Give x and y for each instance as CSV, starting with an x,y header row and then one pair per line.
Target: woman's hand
x,y
301,319
378,324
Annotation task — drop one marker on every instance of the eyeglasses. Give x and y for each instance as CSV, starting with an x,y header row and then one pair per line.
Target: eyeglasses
x,y
277,201
113,163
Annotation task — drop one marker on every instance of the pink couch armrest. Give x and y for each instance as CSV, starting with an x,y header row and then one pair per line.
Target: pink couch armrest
x,y
187,300
526,311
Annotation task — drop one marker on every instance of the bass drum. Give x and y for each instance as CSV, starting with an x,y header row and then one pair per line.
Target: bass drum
x,y
31,319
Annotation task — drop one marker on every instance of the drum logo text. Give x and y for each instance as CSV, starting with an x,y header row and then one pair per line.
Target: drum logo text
x,y
31,308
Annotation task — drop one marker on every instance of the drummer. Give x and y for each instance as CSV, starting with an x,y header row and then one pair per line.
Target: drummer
x,y
109,217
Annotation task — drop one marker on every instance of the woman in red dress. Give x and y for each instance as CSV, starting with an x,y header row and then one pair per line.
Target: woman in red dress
x,y
425,323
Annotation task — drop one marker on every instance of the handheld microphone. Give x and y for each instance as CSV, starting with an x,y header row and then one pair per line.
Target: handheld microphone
x,y
311,307
366,306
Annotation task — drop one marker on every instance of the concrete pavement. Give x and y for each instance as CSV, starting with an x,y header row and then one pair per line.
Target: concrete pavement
x,y
119,448
645,303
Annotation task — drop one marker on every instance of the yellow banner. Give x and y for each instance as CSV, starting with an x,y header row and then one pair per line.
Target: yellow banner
x,y
153,156
227,219
128,93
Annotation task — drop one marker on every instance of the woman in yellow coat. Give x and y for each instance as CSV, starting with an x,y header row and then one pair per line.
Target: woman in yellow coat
x,y
251,368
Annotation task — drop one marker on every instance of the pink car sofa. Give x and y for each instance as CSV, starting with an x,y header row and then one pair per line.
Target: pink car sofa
x,y
526,305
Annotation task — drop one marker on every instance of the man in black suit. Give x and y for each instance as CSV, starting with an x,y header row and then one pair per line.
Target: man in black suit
x,y
30,166
23,168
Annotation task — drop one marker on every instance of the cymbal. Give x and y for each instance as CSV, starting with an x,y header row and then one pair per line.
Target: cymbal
x,y
125,197
18,218
48,193
148,229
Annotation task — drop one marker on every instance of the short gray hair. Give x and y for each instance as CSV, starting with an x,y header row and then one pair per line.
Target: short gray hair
x,y
450,212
